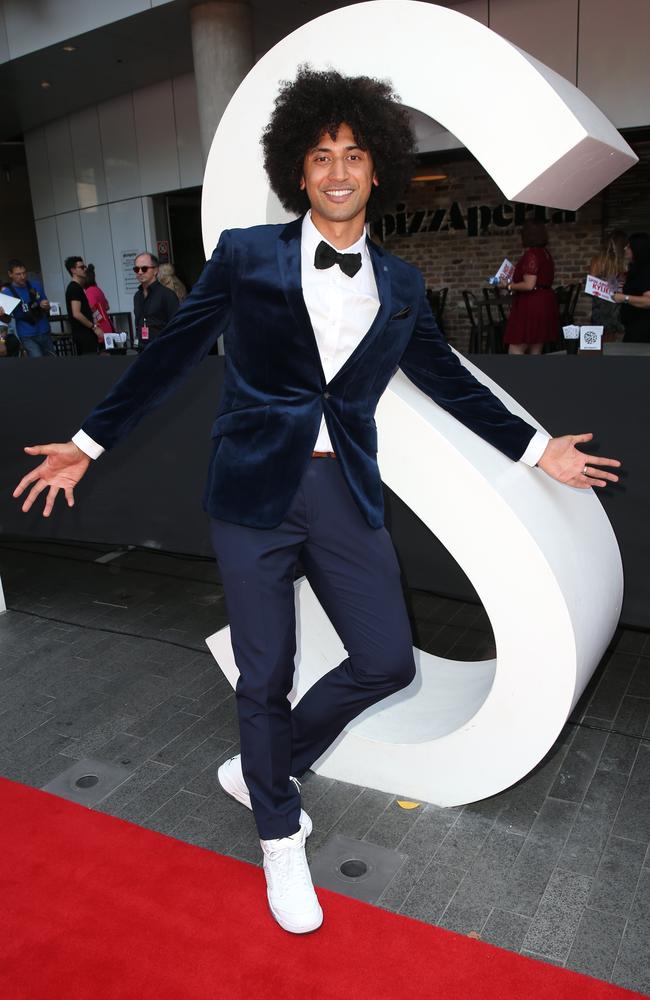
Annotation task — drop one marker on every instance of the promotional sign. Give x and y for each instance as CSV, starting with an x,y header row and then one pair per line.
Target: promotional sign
x,y
55,309
591,338
8,302
571,332
600,288
506,271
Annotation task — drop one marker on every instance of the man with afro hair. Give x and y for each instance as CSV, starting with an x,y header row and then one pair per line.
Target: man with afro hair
x,y
317,319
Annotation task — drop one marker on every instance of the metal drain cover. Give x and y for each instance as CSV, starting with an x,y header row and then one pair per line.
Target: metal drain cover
x,y
87,781
354,867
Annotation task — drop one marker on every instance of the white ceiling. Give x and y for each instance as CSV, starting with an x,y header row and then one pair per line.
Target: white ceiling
x,y
128,54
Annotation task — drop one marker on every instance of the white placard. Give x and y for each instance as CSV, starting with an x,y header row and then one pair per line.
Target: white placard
x,y
591,338
55,309
600,288
506,271
571,332
8,302
112,340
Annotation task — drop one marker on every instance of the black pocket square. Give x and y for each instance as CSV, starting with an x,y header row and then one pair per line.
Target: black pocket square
x,y
403,313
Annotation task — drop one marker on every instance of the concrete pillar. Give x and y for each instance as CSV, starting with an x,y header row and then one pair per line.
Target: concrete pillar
x,y
222,46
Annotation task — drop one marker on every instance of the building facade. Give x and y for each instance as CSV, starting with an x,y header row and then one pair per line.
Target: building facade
x,y
116,110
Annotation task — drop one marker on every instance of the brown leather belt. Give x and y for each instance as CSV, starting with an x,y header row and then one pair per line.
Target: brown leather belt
x,y
323,454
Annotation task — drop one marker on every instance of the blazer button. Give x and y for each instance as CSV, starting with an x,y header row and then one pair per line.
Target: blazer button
x,y
326,395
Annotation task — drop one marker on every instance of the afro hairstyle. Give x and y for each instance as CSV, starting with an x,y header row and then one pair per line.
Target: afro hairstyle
x,y
320,101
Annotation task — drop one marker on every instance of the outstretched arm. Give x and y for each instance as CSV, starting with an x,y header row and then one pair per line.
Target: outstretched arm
x,y
639,301
62,468
431,364
156,373
563,461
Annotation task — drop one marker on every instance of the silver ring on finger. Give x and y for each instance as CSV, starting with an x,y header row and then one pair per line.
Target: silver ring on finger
x,y
584,472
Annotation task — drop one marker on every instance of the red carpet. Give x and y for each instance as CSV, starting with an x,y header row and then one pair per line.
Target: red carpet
x,y
92,908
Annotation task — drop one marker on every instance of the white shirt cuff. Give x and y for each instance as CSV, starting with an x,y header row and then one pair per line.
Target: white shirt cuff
x,y
535,449
87,445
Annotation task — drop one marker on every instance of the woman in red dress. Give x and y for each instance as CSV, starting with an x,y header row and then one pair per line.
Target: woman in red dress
x,y
98,304
534,318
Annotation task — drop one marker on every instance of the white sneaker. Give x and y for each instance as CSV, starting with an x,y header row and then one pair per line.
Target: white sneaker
x,y
289,888
231,779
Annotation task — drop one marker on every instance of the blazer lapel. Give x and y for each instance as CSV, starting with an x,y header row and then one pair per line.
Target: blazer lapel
x,y
382,278
289,262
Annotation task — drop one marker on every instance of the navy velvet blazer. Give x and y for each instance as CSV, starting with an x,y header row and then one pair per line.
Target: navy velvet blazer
x,y
275,391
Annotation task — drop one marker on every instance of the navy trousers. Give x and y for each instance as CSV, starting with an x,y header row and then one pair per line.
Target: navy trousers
x,y
354,573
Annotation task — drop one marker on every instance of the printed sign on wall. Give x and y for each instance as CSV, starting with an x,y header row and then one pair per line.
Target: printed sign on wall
x,y
131,283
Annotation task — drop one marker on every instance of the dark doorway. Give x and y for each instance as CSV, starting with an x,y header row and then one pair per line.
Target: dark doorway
x,y
182,222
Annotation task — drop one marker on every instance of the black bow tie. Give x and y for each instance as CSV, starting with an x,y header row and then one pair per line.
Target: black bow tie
x,y
327,256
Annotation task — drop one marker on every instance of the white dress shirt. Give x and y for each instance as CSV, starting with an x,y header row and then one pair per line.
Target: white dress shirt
x,y
341,310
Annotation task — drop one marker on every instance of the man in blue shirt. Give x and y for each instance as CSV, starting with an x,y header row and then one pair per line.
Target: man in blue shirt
x,y
31,317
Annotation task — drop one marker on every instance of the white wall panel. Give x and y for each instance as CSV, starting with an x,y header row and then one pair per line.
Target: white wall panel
x,y
127,228
59,153
547,31
155,131
51,265
98,249
40,179
71,242
88,158
149,222
613,64
188,136
117,129
4,41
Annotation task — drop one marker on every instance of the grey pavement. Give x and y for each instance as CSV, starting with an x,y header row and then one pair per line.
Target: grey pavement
x,y
107,660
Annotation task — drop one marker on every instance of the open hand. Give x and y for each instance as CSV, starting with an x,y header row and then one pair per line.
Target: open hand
x,y
562,461
62,469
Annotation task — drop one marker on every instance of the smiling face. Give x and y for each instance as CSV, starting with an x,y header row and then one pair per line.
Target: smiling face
x,y
338,176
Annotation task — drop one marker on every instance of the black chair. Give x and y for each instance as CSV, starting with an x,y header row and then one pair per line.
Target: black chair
x,y
573,301
483,336
497,315
64,345
437,299
567,300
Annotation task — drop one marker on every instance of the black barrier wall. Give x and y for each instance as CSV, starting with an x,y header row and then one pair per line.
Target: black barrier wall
x,y
148,491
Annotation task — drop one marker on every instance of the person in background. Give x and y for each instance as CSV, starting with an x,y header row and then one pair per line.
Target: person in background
x,y
534,318
85,332
98,304
8,336
635,296
153,304
609,264
167,276
32,324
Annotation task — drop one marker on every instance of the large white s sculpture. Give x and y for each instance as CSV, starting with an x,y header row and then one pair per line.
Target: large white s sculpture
x,y
542,557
